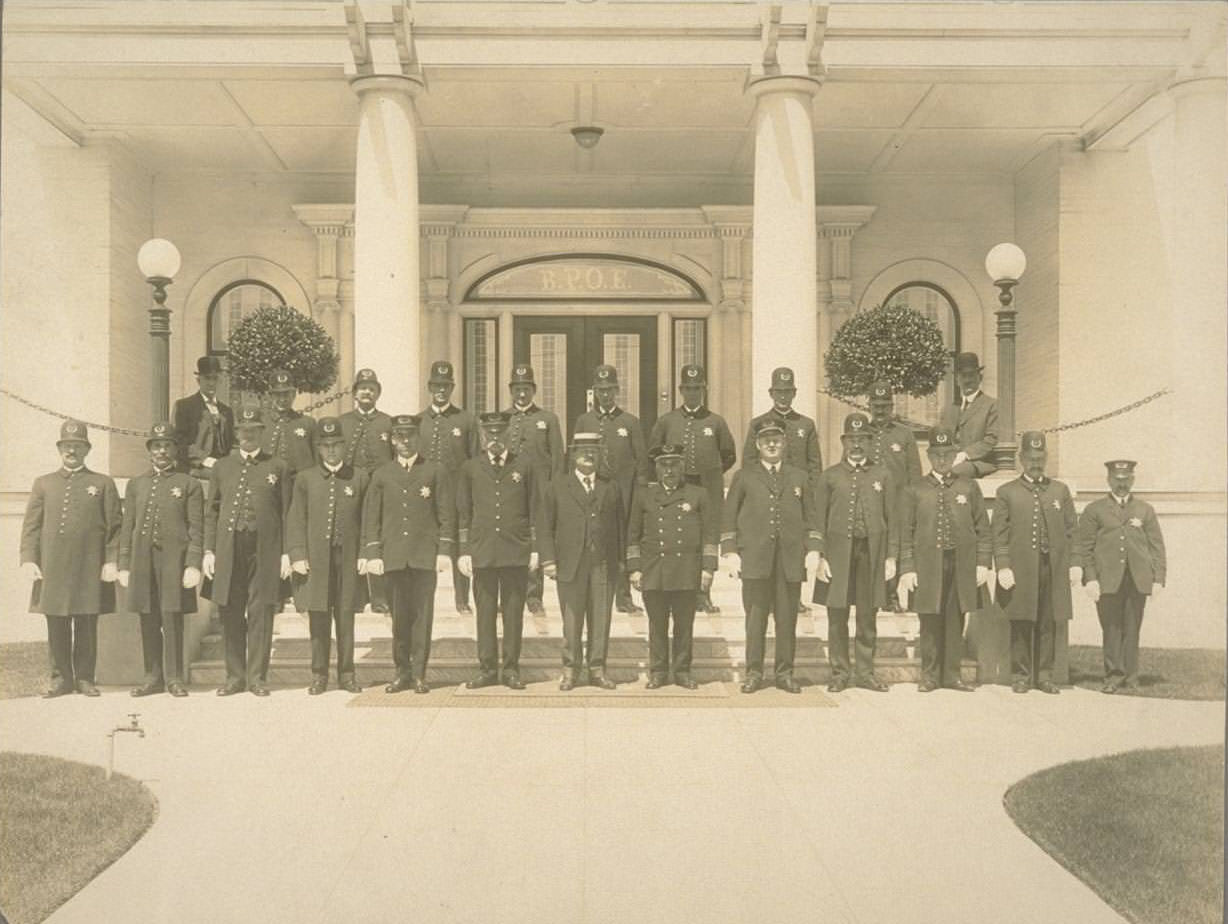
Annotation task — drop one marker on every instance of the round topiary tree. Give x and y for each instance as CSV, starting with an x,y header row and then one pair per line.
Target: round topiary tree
x,y
279,337
886,343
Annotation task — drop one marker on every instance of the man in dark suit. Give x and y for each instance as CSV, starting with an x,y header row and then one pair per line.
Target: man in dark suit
x,y
974,421
580,534
291,434
204,426
249,500
496,503
160,548
1121,549
768,540
409,530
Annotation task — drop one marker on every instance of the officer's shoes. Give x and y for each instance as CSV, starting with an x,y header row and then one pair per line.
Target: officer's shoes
x,y
513,682
87,688
350,686
788,684
686,682
752,683
317,687
177,689
535,607
259,690
462,609
872,683
567,683
148,689
230,689
421,686
1047,686
837,685
60,689
927,686
961,686
1020,686
602,682
1109,688
481,680
401,684
654,683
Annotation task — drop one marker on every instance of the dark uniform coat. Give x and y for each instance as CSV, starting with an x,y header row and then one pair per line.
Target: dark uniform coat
x,y
291,435
760,516
497,511
834,504
895,447
933,512
71,529
976,431
448,438
624,455
1111,537
368,439
534,435
707,446
198,437
267,481
672,537
801,442
167,511
1017,510
410,516
571,520
326,510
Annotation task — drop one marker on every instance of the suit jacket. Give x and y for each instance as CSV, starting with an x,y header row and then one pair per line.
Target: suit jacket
x,y
71,529
497,511
267,478
409,516
1111,538
291,436
448,438
326,511
571,521
198,437
801,442
368,440
1017,510
836,493
672,537
535,436
932,513
624,456
976,430
762,515
164,531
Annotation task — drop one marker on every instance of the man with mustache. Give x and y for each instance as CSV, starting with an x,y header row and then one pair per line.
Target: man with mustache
x,y
368,445
204,425
290,434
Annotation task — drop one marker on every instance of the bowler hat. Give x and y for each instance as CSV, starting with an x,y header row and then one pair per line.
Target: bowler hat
x,y
74,431
208,365
441,373
328,430
968,362
783,378
692,374
522,375
160,431
665,451
605,375
856,423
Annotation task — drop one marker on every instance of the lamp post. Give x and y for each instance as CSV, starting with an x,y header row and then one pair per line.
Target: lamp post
x,y
1005,263
159,261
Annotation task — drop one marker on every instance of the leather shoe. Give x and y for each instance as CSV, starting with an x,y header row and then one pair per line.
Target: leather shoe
x,y
1109,688
837,685
421,686
567,683
463,609
752,683
148,689
654,683
513,682
87,688
534,606
260,690
872,683
927,686
177,689
350,686
1047,686
230,689
401,684
788,684
961,686
62,689
686,683
481,680
1020,686
317,687
602,682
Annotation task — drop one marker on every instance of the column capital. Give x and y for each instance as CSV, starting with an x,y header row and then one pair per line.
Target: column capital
x,y
393,83
759,87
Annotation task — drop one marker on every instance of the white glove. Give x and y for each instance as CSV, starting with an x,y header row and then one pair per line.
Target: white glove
x,y
889,568
908,583
109,572
824,571
812,563
534,561
731,564
207,564
1006,577
31,571
375,566
191,577
464,564
634,578
960,456
551,570
982,575
705,581
1093,590
443,563
208,462
1076,575
285,567
362,566
300,566
1156,590
123,576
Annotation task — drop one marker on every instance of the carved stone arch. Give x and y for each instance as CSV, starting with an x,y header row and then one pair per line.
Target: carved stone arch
x,y
578,275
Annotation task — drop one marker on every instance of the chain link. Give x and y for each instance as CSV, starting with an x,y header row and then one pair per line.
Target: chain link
x,y
316,405
46,410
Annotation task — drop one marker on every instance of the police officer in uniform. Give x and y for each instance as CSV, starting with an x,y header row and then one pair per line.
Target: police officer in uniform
x,y
160,548
624,457
671,556
204,425
249,499
581,534
707,446
801,447
69,549
1033,524
892,445
409,530
974,421
448,436
368,445
769,540
291,434
1121,548
946,548
497,502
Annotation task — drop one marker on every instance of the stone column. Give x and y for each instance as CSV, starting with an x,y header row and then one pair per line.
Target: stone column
x,y
784,323
387,321
333,229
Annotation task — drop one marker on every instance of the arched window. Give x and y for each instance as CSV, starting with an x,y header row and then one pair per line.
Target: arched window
x,y
935,303
233,302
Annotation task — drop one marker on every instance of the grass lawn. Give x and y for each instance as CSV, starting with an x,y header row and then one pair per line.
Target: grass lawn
x,y
1164,673
25,669
1145,829
61,824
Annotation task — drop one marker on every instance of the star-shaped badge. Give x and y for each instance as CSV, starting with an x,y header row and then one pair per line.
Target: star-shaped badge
x,y
622,431
271,478
176,492
349,490
425,491
516,477
456,431
707,431
961,498
541,425
801,431
92,490
685,506
1136,522
300,432
797,491
878,486
896,447
384,436
1057,505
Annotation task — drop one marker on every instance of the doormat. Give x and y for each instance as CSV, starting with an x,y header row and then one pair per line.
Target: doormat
x,y
547,695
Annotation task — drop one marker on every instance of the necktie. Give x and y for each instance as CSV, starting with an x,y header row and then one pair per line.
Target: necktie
x,y
588,485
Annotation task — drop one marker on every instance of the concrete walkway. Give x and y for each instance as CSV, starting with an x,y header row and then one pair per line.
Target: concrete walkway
x,y
297,808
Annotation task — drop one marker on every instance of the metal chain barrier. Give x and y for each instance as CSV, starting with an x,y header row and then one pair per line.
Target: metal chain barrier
x,y
316,405
46,410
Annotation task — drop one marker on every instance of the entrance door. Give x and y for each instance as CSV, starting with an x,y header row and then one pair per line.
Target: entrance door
x,y
564,351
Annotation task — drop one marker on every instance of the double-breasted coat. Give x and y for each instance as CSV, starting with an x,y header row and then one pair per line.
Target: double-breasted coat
x,y
933,512
1017,511
291,435
1111,536
571,521
533,434
976,431
624,454
835,498
163,528
801,441
763,514
368,439
672,537
497,510
326,511
448,437
71,529
409,516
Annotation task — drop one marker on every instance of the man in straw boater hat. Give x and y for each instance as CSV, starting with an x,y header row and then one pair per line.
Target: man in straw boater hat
x,y
974,420
1033,523
946,548
160,549
409,529
69,550
291,434
368,445
671,557
497,501
580,531
204,425
1121,548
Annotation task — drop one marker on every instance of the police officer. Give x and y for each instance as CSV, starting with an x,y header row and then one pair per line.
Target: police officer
x,y
368,445
707,445
534,434
409,530
291,434
946,548
974,421
580,530
204,424
249,498
448,436
671,556
69,549
624,456
1033,522
801,445
857,538
1121,549
769,540
496,504
323,537
160,548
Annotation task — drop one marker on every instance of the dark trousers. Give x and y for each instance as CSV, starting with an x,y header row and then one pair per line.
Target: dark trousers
x,y
1032,644
533,588
460,586
1121,618
861,593
495,589
411,597
586,603
322,622
247,631
942,633
73,641
660,606
761,596
161,637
